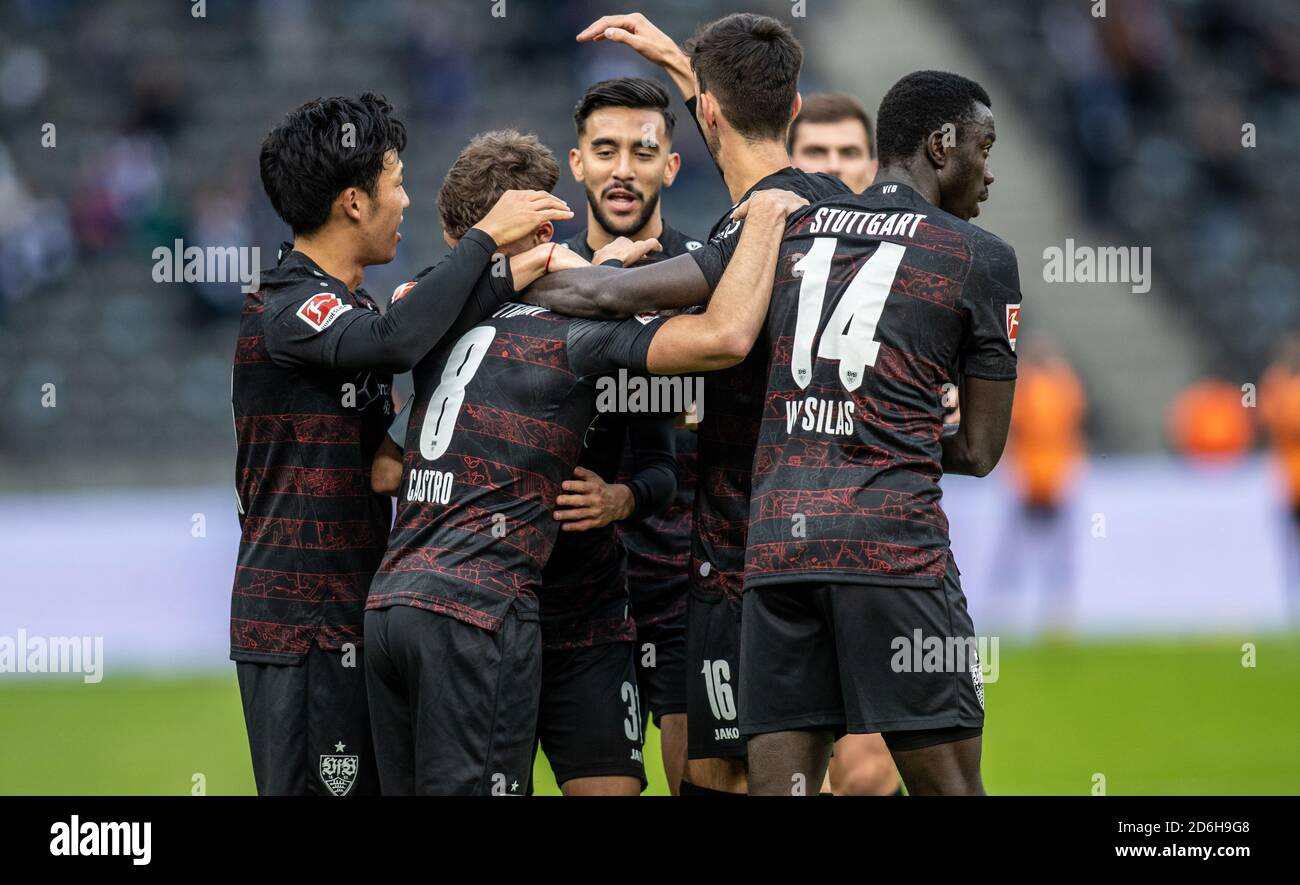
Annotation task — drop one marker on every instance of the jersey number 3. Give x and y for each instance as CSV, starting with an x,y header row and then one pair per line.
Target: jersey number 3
x,y
444,406
850,334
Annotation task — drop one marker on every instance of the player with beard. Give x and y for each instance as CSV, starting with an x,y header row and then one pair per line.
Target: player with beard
x,y
310,395
741,83
592,608
497,421
882,300
624,160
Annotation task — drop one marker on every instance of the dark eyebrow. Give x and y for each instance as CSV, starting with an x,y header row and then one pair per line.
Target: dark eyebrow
x,y
612,142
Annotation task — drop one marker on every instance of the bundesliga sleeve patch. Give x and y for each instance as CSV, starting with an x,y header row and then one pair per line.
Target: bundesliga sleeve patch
x,y
647,318
400,292
322,309
1013,324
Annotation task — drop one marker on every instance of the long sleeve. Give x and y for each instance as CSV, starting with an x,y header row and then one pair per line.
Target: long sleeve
x,y
306,328
654,465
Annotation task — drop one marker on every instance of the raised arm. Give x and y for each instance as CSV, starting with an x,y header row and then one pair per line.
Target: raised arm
x,y
723,335
320,329
635,30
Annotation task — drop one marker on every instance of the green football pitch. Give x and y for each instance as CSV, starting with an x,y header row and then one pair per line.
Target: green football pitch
x,y
1187,717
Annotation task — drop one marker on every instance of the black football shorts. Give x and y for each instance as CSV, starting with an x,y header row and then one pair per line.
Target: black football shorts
x,y
860,658
309,725
453,707
590,722
712,675
661,666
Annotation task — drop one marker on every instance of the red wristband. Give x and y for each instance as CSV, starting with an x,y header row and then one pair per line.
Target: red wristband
x,y
547,269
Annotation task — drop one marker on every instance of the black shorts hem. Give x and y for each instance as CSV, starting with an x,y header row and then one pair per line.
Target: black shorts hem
x,y
914,724
630,769
831,721
903,741
835,722
668,710
695,753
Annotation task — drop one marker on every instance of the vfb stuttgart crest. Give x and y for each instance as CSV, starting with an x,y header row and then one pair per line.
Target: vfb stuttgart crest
x,y
339,772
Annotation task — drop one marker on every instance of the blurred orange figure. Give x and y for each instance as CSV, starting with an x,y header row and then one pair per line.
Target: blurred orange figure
x,y
1279,408
1045,450
1046,440
1209,421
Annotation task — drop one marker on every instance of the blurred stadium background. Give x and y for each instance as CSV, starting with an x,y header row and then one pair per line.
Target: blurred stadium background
x,y
1134,555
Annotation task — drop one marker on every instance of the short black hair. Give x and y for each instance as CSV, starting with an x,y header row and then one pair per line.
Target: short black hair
x,y
919,104
309,159
624,92
751,64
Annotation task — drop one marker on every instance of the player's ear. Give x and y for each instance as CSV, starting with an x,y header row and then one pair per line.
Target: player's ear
x,y
798,105
708,111
936,148
349,201
673,167
545,231
575,163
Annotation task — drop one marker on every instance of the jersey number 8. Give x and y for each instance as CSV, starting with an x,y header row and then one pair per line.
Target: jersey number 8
x,y
444,406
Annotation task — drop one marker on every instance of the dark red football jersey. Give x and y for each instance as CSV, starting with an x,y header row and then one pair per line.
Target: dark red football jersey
x,y
497,423
880,300
732,410
311,530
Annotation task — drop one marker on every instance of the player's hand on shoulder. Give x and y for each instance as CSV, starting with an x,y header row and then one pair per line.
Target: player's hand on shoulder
x,y
627,251
636,31
519,213
770,203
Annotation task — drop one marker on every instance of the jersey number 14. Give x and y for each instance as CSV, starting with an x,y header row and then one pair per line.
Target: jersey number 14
x,y
850,334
